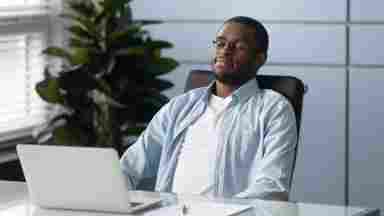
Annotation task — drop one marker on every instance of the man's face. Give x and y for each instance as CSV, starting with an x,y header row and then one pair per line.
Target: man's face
x,y
236,59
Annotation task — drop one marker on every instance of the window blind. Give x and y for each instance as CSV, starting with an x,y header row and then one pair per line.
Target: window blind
x,y
10,3
21,41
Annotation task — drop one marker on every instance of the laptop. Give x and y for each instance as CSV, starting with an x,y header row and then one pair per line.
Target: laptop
x,y
77,178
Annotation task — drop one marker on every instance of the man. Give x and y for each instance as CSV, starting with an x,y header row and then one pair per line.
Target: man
x,y
230,139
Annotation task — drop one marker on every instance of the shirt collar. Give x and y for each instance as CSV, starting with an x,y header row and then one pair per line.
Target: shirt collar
x,y
248,89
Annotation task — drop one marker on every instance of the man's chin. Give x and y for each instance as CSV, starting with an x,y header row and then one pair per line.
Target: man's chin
x,y
229,78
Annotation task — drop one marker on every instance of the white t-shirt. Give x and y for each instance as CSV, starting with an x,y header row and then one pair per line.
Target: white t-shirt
x,y
194,171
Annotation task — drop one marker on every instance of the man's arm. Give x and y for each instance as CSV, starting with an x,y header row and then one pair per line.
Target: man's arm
x,y
270,177
141,160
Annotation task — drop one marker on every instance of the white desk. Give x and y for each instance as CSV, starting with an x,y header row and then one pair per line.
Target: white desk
x,y
14,202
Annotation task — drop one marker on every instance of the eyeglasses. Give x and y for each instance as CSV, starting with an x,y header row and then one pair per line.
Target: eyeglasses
x,y
237,45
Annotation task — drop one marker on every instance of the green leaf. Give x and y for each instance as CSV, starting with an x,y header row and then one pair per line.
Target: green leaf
x,y
100,17
85,22
69,135
126,14
58,52
48,90
161,66
133,50
58,118
127,39
75,42
158,44
80,32
80,56
84,8
129,32
47,73
156,101
147,22
133,131
161,84
104,86
115,6
150,106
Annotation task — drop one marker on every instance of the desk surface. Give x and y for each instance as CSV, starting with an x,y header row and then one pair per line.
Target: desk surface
x,y
14,202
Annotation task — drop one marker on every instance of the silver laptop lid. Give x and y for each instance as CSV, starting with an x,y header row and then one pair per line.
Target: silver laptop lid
x,y
80,178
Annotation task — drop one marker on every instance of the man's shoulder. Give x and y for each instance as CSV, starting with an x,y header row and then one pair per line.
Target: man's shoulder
x,y
184,101
189,96
272,95
273,98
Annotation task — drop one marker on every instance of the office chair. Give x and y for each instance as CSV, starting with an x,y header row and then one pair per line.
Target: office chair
x,y
290,87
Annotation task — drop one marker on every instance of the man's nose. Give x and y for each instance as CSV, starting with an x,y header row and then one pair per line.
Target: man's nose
x,y
229,47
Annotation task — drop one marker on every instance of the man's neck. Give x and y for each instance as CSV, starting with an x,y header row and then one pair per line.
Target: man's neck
x,y
223,90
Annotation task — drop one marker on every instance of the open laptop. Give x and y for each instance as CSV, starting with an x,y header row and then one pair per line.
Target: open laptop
x,y
77,178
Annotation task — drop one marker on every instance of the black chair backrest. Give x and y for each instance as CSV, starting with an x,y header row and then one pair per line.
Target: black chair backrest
x,y
290,87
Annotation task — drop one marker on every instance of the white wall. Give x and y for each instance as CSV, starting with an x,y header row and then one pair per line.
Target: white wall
x,y
335,47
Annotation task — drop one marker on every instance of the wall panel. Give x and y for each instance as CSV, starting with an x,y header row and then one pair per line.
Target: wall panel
x,y
366,138
308,44
289,43
371,10
223,9
367,45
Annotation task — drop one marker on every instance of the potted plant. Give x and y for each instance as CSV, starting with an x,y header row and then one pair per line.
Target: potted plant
x,y
109,85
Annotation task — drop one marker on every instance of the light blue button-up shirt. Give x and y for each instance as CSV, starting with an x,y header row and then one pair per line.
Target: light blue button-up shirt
x,y
255,153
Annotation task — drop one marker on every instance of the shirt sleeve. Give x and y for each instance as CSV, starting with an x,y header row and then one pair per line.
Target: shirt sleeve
x,y
270,176
140,161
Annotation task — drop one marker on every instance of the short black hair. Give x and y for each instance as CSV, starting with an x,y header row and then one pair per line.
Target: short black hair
x,y
261,34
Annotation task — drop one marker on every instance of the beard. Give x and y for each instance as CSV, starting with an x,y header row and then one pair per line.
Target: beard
x,y
232,79
235,78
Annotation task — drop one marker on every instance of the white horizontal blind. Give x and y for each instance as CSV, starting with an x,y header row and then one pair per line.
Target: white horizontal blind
x,y
15,8
11,3
22,66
